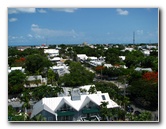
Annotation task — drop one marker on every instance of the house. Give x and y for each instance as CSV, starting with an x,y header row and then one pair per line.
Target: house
x,y
81,57
146,52
42,46
51,52
122,57
55,59
61,69
128,49
15,68
92,58
96,63
15,103
62,72
108,65
35,81
76,107
143,69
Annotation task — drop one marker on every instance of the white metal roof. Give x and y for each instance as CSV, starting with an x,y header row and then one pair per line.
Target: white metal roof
x,y
51,51
55,103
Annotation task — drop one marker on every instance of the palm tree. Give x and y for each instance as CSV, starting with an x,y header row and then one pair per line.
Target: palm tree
x,y
39,117
25,97
105,113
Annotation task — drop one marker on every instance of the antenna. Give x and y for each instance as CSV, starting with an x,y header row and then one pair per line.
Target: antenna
x,y
133,37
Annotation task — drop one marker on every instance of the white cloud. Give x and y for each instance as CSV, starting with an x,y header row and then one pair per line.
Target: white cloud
x,y
17,39
68,10
52,33
21,10
139,32
34,26
42,11
30,36
13,19
122,12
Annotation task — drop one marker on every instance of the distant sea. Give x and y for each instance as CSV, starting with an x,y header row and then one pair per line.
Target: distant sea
x,y
15,45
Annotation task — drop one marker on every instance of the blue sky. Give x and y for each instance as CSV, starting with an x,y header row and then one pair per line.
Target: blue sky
x,y
35,26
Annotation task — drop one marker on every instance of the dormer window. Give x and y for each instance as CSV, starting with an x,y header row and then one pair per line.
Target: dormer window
x,y
103,97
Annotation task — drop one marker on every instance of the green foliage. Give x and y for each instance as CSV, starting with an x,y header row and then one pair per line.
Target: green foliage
x,y
45,91
112,56
133,59
150,62
16,81
78,76
92,90
12,51
25,97
145,94
51,76
112,72
104,111
14,116
109,88
144,116
38,117
36,63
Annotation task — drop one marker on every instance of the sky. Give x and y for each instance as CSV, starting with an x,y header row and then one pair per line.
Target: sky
x,y
36,26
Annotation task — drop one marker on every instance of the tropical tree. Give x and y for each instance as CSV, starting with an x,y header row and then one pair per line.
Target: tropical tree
x,y
25,98
104,111
16,80
78,76
144,116
51,76
39,117
36,63
13,115
92,90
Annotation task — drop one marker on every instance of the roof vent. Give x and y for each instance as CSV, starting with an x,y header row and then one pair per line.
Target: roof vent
x,y
75,95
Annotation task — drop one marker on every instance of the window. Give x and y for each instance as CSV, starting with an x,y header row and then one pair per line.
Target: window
x,y
50,119
103,97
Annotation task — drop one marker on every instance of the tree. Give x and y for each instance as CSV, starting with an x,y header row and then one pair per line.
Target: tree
x,y
39,117
45,91
78,76
16,116
16,80
104,111
25,97
36,63
51,76
144,116
151,76
92,90
144,94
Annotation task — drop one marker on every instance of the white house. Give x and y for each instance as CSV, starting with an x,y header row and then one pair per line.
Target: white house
x,y
15,68
77,107
143,69
82,57
55,59
146,52
35,81
51,52
128,49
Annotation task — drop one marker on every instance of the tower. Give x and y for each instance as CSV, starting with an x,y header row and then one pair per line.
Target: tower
x,y
133,37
